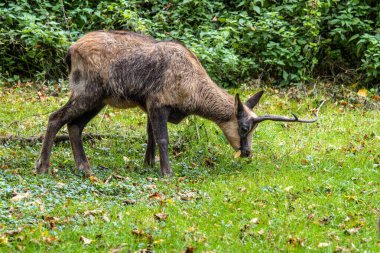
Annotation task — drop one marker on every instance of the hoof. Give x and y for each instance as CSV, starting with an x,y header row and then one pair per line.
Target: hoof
x,y
40,169
166,173
85,169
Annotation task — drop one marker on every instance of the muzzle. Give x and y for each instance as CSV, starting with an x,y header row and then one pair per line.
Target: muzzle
x,y
244,148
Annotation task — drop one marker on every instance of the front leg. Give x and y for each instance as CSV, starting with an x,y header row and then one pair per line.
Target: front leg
x,y
158,119
150,153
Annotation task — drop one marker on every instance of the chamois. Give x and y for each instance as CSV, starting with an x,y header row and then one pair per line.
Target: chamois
x,y
166,80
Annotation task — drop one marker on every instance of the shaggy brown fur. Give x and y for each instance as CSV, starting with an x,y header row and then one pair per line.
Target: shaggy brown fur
x,y
166,80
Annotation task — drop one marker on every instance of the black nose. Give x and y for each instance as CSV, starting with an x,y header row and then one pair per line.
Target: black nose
x,y
245,153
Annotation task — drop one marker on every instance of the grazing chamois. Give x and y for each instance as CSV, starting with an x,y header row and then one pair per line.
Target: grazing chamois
x,y
166,80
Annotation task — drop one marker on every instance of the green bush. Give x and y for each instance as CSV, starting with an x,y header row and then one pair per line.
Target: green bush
x,y
284,43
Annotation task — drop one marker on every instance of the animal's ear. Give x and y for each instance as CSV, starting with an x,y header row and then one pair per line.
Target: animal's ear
x,y
252,102
239,107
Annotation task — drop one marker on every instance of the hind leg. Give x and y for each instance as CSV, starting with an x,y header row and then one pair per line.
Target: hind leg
x,y
73,109
150,153
75,129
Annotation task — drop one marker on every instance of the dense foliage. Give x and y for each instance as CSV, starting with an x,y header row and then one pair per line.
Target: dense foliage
x,y
281,42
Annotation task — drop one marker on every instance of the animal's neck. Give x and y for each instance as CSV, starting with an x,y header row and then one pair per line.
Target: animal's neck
x,y
214,103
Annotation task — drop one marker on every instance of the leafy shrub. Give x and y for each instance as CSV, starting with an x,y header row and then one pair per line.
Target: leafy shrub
x,y
286,42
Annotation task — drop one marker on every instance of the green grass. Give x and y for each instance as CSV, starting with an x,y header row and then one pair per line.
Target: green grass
x,y
309,187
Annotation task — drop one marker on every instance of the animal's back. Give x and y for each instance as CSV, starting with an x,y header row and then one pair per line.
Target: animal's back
x,y
131,67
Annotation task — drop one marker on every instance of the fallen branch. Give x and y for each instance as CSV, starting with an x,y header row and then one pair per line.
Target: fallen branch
x,y
58,138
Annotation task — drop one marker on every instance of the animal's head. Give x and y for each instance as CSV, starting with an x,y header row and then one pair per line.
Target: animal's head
x,y
240,128
245,122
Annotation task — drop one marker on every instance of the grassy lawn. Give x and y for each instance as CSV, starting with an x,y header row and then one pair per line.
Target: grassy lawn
x,y
309,187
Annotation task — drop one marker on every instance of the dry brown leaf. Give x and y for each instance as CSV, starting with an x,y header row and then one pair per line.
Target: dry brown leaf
x,y
156,195
51,221
14,232
138,232
188,196
20,196
151,186
85,240
295,241
129,201
94,179
49,239
161,216
93,212
242,189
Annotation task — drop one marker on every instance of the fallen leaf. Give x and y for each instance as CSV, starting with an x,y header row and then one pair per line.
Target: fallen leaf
x,y
323,244
352,231
3,240
376,97
49,239
255,221
237,154
94,179
341,249
14,232
187,196
363,92
151,186
189,250
261,232
295,241
161,216
51,221
93,212
155,195
105,218
20,196
60,185
129,201
118,248
287,189
85,240
138,232
242,189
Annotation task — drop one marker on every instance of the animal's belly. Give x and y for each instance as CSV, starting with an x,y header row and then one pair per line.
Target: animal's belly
x,y
120,103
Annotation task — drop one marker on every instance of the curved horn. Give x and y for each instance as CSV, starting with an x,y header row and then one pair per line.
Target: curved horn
x,y
294,119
